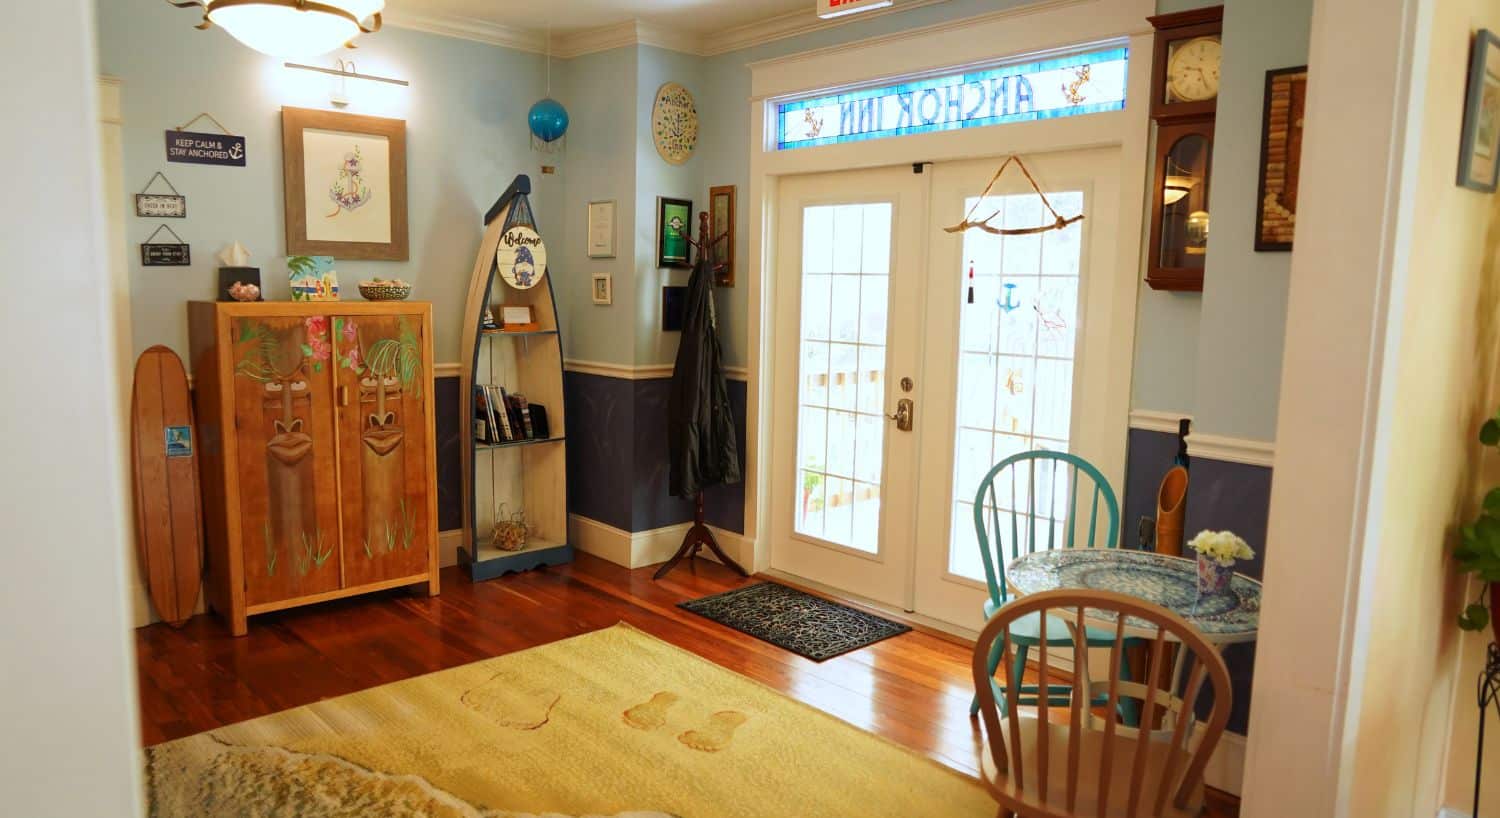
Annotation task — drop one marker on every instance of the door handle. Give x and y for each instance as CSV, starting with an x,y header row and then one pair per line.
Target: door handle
x,y
905,409
343,396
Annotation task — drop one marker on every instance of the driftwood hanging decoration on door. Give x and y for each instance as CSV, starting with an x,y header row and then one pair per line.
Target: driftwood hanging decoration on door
x,y
984,224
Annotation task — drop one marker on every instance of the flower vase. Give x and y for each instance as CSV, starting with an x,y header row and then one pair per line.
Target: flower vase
x,y
1213,578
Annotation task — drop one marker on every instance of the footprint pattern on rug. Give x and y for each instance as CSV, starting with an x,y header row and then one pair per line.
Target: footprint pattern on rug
x,y
512,703
651,714
717,734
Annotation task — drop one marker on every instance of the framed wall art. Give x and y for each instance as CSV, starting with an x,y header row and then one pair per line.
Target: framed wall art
x,y
721,224
345,183
1477,153
674,226
601,230
1280,158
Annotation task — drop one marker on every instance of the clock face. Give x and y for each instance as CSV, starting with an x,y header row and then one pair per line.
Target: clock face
x,y
1193,70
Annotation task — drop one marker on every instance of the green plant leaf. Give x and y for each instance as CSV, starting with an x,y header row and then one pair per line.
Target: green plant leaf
x,y
1489,433
1474,618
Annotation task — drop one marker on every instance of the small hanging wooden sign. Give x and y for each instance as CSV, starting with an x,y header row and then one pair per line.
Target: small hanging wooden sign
x,y
165,254
205,148
160,205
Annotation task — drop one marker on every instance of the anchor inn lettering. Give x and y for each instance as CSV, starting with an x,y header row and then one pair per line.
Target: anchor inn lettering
x,y
1060,86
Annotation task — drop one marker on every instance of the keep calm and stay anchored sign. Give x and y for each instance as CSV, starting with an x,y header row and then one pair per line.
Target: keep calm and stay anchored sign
x,y
205,148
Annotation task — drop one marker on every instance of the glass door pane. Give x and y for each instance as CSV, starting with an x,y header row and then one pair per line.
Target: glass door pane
x,y
1017,341
846,251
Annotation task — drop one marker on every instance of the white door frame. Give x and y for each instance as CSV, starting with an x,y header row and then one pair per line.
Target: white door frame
x,y
1037,27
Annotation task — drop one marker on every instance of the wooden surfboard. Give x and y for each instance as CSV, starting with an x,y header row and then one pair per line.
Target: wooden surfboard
x,y
164,460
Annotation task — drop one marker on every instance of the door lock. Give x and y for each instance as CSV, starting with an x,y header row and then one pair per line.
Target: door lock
x,y
903,417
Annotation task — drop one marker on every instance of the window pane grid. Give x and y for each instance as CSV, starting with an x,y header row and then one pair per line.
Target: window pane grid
x,y
1017,350
845,281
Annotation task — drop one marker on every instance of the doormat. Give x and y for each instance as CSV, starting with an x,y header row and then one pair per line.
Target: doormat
x,y
804,624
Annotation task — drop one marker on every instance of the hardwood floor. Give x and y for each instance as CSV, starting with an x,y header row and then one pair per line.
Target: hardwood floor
x,y
913,689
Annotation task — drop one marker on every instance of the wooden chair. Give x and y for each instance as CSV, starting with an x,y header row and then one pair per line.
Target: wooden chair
x,y
1017,498
1039,766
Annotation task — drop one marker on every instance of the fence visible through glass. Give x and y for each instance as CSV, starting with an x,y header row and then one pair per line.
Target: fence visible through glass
x,y
846,254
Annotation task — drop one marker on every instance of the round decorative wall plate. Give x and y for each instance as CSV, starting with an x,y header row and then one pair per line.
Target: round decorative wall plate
x,y
674,123
522,258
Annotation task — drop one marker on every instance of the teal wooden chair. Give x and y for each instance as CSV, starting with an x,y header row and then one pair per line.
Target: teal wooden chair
x,y
1060,475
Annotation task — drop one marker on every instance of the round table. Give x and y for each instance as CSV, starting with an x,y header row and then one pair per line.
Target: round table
x,y
1171,582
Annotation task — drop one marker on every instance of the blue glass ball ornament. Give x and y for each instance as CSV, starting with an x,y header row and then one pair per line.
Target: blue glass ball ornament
x,y
548,120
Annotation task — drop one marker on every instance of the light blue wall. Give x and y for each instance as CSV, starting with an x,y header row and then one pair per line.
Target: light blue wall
x,y
599,91
1217,356
1238,384
656,177
466,139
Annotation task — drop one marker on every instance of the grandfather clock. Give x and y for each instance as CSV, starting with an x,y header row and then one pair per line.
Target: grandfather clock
x,y
1184,97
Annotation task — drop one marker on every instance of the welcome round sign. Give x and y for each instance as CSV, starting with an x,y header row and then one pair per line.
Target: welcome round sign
x,y
522,257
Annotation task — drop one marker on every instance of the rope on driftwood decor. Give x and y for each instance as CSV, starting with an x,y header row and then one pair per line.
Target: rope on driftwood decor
x,y
984,224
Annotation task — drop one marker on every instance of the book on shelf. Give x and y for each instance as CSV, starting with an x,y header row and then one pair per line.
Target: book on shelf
x,y
484,431
539,421
523,410
497,398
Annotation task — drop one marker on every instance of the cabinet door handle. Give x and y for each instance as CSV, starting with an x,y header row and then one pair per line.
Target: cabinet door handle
x,y
343,396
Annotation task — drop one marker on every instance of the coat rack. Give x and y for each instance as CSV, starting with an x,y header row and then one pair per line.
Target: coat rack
x,y
700,535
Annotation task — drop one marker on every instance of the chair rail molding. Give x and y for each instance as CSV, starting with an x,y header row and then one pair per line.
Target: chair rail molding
x,y
1232,449
1153,420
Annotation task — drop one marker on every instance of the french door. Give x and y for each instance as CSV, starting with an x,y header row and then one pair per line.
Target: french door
x,y
909,360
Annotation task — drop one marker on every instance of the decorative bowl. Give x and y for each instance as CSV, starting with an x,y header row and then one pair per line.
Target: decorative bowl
x,y
241,291
384,290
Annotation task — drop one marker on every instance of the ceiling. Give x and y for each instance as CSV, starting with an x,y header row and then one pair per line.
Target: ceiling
x,y
579,27
564,17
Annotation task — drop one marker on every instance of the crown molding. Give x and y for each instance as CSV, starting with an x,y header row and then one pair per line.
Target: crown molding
x,y
636,32
793,24
469,28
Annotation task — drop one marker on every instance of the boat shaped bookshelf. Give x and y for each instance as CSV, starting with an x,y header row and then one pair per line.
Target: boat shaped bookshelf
x,y
529,475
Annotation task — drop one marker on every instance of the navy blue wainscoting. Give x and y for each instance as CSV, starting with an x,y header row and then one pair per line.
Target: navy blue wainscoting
x,y
618,469
1221,495
450,436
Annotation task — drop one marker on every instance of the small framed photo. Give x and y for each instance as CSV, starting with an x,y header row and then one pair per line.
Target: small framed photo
x,y
602,229
674,226
604,289
517,318
179,441
1479,152
721,225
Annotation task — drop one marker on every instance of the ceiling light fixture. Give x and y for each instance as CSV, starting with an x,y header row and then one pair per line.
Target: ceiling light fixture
x,y
290,28
829,9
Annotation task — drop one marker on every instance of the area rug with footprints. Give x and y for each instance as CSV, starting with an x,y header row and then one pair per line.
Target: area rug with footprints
x,y
612,723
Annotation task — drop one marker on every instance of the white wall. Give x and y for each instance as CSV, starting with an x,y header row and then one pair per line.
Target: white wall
x,y
67,670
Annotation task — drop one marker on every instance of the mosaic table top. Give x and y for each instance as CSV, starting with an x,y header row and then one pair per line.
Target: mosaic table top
x,y
1170,582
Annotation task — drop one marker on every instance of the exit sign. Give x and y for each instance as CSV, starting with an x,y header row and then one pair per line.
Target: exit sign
x,y
838,8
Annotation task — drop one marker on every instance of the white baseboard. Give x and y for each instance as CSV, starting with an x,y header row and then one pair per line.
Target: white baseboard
x,y
1453,812
1226,768
448,543
641,548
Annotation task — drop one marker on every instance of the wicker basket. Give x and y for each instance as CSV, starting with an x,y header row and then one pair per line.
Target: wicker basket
x,y
384,291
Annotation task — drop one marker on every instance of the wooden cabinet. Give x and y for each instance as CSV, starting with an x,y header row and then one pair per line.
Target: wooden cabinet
x,y
318,451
